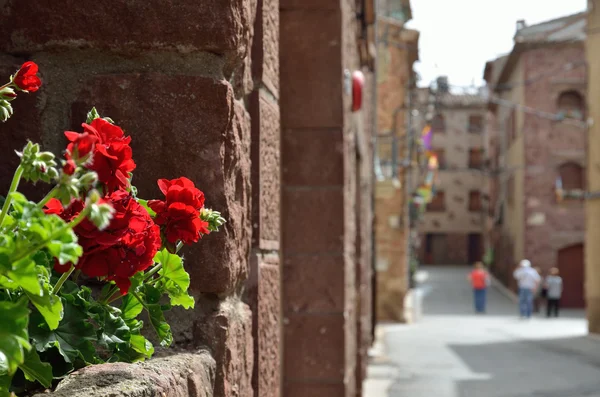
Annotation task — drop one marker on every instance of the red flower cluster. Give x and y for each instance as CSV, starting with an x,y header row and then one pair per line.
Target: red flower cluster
x,y
111,152
179,213
26,78
125,247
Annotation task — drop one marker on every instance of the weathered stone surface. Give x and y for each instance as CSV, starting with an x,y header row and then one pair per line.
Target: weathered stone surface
x,y
265,48
320,163
197,131
311,210
325,276
312,74
269,331
227,332
180,375
303,333
265,170
222,27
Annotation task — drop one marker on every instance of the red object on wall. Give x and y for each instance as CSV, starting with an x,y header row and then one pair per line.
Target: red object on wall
x,y
358,81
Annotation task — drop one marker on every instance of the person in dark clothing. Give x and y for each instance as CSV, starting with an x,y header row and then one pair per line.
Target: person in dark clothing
x,y
554,286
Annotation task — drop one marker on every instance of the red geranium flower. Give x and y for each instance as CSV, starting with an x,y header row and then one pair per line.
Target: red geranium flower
x,y
26,78
80,144
111,159
125,247
179,214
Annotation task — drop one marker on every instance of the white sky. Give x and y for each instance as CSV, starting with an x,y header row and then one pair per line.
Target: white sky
x,y
459,36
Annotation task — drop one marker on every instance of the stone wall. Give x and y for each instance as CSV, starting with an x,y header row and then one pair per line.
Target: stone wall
x,y
196,86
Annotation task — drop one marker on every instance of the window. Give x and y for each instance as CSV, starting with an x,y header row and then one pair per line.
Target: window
x,y
572,176
438,124
475,158
475,124
570,105
475,201
441,156
438,204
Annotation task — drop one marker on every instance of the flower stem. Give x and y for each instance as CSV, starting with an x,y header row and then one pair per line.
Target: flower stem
x,y
7,85
62,280
47,197
13,188
152,272
110,293
114,297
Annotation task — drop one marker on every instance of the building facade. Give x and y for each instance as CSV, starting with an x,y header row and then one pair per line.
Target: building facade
x,y
537,150
397,49
451,228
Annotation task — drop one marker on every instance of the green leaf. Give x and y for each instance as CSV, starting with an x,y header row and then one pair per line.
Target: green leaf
x,y
144,203
36,370
72,337
24,273
155,311
142,345
14,340
113,330
130,307
49,305
174,279
5,378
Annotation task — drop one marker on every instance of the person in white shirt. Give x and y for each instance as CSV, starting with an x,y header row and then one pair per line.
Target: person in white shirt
x,y
528,280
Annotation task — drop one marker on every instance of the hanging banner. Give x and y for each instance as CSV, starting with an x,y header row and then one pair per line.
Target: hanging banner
x,y
426,136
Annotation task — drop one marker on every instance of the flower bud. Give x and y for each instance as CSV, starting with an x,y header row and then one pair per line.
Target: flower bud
x,y
8,94
94,196
88,179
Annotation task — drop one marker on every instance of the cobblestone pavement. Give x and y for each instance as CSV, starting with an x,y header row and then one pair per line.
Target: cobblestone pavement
x,y
452,352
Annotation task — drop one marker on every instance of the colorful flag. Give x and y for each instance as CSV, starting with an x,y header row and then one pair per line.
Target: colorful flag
x,y
426,136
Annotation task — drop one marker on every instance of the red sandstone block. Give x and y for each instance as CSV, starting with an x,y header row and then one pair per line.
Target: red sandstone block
x,y
313,157
315,221
311,59
314,283
200,133
299,389
265,170
315,347
265,47
218,26
268,331
227,332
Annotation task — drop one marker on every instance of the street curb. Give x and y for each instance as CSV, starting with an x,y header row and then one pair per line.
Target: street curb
x,y
503,289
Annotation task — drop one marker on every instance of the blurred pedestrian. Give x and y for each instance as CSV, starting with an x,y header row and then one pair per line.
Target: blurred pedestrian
x,y
537,296
554,285
480,280
528,280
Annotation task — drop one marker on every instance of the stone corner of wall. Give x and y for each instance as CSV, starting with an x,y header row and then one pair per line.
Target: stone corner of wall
x,y
178,375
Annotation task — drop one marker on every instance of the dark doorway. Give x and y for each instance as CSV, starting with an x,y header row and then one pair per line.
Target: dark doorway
x,y
435,249
474,248
571,267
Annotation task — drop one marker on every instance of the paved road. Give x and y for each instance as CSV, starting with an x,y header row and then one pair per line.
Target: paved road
x,y
452,352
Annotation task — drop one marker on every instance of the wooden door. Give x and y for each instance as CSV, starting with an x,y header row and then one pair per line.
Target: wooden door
x,y
571,267
439,250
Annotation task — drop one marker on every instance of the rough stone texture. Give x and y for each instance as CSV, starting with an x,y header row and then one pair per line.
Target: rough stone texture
x,y
180,375
210,135
227,332
266,170
222,27
265,49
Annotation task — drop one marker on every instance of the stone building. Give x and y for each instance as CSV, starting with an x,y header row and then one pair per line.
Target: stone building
x,y
451,229
537,143
255,105
397,50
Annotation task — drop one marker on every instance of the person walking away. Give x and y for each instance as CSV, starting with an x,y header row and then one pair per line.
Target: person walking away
x,y
480,279
528,280
554,285
537,296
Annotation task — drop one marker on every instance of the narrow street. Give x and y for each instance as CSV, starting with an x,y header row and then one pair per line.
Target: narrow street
x,y
451,352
